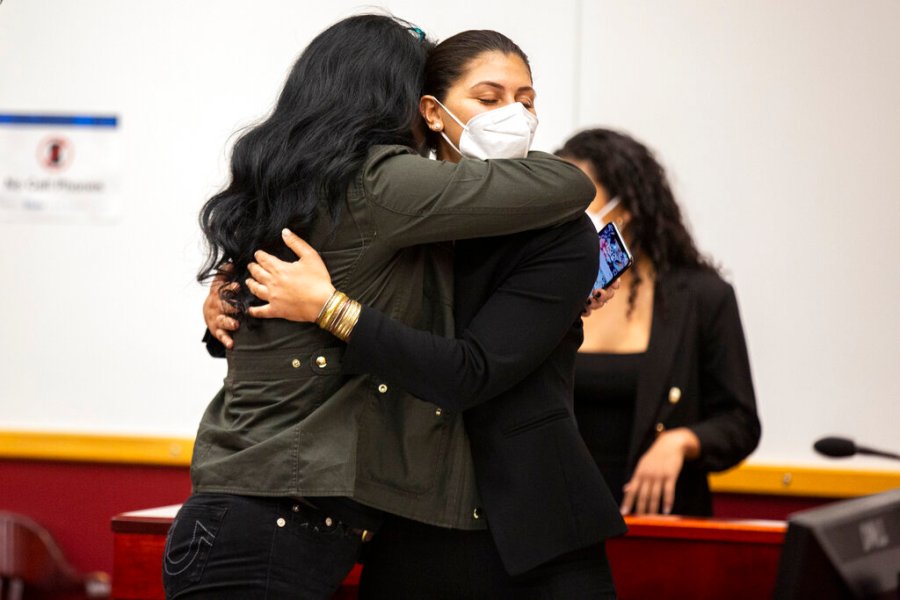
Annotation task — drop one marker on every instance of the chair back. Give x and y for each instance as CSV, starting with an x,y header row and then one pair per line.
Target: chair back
x,y
32,565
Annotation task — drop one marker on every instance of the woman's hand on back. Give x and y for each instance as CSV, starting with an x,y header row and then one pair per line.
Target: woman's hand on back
x,y
295,291
216,311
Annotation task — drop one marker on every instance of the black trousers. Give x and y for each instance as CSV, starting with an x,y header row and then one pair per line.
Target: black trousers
x,y
413,561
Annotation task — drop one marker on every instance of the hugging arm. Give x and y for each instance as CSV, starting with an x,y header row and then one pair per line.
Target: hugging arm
x,y
416,200
519,325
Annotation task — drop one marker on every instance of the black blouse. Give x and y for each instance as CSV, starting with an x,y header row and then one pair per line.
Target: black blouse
x,y
605,390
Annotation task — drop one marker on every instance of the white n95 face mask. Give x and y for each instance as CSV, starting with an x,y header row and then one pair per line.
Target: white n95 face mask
x,y
505,132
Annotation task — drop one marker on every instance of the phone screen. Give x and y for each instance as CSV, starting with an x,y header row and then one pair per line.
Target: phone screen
x,y
614,256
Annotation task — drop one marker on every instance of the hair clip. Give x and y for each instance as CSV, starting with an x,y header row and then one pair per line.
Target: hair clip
x,y
418,32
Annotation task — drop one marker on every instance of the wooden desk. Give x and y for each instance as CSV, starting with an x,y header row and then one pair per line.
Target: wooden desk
x,y
678,557
659,558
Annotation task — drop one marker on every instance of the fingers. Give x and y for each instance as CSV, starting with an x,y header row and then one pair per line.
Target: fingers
x,y
224,338
227,307
257,289
628,498
642,496
259,274
643,499
669,495
267,261
594,302
261,312
226,323
603,296
295,243
653,497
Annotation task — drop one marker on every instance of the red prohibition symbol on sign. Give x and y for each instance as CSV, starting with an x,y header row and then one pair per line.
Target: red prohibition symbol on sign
x,y
55,153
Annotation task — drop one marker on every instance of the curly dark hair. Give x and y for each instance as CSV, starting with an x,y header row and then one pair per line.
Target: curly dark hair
x,y
629,171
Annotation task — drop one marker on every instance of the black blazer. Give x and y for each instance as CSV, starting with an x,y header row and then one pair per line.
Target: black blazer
x,y
517,304
697,375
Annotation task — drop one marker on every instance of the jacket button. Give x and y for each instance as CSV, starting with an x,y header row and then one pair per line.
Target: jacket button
x,y
281,522
438,412
660,428
674,395
321,362
476,514
295,363
382,389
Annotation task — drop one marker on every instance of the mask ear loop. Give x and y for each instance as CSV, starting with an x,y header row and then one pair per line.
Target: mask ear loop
x,y
452,116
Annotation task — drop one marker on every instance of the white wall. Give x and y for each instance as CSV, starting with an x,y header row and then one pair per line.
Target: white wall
x,y
779,124
777,121
102,323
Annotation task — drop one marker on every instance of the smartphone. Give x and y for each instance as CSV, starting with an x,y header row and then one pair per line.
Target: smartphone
x,y
615,258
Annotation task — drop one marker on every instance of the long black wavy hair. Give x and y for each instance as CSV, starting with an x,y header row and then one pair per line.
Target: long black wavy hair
x,y
355,86
629,171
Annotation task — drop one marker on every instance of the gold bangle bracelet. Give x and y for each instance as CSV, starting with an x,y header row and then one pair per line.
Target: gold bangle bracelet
x,y
324,306
345,325
338,315
328,308
350,321
327,314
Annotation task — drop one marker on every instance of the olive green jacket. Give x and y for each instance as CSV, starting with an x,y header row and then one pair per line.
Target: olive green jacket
x,y
288,423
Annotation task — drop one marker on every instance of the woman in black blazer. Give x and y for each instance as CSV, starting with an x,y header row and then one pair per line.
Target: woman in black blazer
x,y
663,391
544,508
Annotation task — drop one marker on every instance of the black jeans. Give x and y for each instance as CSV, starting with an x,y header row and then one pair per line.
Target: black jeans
x,y
412,561
229,547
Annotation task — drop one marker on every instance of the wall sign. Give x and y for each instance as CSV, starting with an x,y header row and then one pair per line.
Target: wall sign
x,y
59,168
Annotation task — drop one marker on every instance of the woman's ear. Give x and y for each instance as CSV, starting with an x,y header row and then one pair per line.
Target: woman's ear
x,y
428,108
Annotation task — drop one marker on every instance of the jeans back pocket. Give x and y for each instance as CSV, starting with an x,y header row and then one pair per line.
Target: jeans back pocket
x,y
188,543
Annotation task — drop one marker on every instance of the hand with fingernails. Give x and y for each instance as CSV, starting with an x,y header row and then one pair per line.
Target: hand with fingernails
x,y
295,291
216,312
651,489
599,298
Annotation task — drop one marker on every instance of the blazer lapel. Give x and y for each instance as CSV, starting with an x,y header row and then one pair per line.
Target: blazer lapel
x,y
669,317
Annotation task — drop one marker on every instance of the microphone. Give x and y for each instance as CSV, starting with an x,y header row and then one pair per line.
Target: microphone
x,y
837,447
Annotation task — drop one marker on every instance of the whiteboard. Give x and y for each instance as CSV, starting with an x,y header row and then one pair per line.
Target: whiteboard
x,y
777,122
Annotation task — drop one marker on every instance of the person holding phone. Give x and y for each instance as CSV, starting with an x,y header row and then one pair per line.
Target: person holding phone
x,y
517,302
663,390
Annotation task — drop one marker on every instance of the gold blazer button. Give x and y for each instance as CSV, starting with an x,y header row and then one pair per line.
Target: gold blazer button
x,y
674,395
